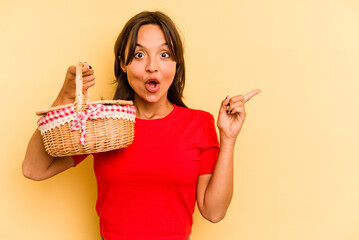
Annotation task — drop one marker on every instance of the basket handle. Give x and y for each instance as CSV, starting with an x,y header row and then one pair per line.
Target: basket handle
x,y
79,100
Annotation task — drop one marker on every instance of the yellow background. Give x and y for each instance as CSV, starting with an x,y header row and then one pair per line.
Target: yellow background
x,y
296,158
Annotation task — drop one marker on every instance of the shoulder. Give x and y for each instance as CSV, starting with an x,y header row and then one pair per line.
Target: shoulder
x,y
198,123
194,114
194,119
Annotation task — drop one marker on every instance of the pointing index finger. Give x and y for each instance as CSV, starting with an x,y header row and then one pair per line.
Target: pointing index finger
x,y
249,95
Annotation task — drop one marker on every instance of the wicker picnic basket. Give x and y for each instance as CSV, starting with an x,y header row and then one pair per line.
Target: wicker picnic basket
x,y
86,127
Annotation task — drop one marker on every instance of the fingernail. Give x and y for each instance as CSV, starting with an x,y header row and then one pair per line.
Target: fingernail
x,y
231,111
227,110
90,67
227,96
228,104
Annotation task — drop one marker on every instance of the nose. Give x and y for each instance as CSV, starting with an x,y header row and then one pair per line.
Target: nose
x,y
152,65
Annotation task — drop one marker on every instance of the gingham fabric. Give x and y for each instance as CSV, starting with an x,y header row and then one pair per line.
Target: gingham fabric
x,y
94,111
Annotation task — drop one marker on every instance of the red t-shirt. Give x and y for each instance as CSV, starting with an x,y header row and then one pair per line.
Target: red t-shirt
x,y
147,191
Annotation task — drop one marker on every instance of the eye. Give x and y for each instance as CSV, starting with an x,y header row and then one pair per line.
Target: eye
x,y
139,55
165,55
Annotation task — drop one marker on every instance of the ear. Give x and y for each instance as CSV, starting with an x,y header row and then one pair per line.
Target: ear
x,y
123,66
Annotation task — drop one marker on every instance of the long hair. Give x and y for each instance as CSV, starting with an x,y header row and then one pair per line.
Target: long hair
x,y
128,36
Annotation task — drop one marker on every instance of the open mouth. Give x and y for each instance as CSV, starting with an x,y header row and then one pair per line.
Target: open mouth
x,y
152,85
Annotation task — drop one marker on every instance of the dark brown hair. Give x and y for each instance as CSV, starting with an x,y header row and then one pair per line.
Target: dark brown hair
x,y
128,36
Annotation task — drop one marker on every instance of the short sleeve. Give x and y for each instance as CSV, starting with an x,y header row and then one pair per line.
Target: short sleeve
x,y
210,150
79,158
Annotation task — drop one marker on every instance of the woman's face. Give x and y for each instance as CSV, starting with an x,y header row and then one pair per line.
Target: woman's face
x,y
152,69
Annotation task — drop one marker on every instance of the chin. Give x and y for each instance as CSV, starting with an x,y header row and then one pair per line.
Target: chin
x,y
152,99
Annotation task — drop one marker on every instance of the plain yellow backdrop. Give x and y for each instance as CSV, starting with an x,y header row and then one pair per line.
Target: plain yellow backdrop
x,y
296,158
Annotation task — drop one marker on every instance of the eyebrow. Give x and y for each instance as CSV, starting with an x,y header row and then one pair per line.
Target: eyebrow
x,y
163,44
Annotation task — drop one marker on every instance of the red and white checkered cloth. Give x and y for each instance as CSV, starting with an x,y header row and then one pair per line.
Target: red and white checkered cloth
x,y
94,111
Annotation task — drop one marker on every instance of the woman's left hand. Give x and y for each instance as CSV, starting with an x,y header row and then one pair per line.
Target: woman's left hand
x,y
232,115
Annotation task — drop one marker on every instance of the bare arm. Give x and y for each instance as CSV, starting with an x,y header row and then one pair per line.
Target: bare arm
x,y
38,164
214,192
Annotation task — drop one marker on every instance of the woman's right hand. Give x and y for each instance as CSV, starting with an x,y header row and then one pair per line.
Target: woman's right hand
x,y
68,91
38,164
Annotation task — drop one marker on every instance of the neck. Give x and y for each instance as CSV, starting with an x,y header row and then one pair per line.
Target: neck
x,y
146,110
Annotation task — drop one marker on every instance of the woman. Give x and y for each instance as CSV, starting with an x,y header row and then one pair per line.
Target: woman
x,y
148,190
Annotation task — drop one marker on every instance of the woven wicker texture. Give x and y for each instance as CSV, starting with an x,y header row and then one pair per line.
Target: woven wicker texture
x,y
43,112
103,134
